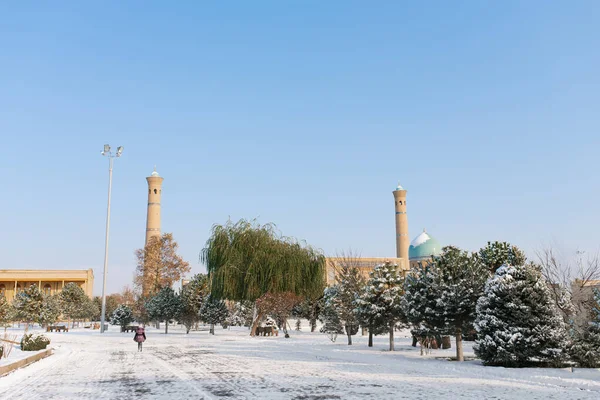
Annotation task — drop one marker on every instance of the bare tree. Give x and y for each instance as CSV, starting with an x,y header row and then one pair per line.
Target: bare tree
x,y
571,282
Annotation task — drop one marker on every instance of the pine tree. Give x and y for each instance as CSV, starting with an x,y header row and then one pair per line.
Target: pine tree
x,y
122,316
165,305
585,341
192,296
458,282
380,305
497,254
5,311
72,298
28,305
240,314
51,309
419,302
213,311
328,315
341,299
517,320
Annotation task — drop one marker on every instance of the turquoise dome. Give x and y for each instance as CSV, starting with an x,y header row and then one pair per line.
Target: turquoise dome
x,y
423,246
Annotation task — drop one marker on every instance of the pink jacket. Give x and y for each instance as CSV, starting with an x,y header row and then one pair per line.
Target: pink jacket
x,y
140,335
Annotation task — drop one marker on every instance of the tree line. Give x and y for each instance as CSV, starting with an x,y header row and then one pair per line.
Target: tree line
x,y
515,314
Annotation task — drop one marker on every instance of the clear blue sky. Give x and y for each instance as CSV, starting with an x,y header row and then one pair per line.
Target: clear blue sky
x,y
302,113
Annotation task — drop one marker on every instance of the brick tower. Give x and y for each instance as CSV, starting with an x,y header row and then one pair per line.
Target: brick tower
x,y
154,193
401,224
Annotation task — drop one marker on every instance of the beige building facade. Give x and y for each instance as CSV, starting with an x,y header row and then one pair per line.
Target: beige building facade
x,y
12,281
364,264
153,217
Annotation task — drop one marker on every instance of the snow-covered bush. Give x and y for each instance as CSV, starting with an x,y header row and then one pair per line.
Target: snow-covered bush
x,y
33,342
123,316
517,320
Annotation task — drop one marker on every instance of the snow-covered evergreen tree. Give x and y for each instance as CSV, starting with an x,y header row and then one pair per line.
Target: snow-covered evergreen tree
x,y
341,298
517,320
5,312
28,305
329,316
497,254
72,299
192,296
165,305
458,282
419,301
123,316
213,311
240,314
585,341
379,307
51,310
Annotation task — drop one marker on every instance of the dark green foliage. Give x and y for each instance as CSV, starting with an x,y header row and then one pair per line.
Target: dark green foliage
x,y
123,316
28,305
585,340
497,254
34,342
379,307
339,301
72,299
246,260
517,322
51,310
213,311
192,296
164,306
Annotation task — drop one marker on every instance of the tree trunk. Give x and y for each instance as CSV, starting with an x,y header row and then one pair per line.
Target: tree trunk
x,y
349,333
459,347
212,329
370,338
392,337
255,324
166,327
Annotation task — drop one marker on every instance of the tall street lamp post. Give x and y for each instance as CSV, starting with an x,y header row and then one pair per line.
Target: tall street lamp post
x,y
111,157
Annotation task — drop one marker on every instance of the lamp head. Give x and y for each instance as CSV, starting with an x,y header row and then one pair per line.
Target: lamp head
x,y
119,151
106,148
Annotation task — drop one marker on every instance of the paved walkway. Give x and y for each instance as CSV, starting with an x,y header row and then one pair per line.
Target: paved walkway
x,y
233,366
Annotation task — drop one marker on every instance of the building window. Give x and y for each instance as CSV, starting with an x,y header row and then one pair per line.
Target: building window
x,y
2,290
155,191
47,289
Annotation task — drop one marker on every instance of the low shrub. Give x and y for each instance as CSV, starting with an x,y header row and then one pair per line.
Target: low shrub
x,y
33,342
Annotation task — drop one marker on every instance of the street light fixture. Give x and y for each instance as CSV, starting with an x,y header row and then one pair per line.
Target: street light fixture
x,y
111,157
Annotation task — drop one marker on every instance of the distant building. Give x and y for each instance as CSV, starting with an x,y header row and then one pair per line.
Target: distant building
x,y
12,281
153,216
364,264
422,249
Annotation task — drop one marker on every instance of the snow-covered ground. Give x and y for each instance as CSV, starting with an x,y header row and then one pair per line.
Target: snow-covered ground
x,y
233,365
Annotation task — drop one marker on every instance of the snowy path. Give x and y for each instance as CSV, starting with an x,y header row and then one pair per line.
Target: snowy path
x,y
232,365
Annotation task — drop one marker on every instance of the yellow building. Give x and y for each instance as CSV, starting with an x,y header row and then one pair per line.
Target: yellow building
x,y
364,264
13,281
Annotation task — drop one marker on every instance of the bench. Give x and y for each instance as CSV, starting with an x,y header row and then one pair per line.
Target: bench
x,y
267,331
57,328
129,328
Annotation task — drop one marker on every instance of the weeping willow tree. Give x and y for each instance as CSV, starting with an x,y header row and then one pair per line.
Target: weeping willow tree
x,y
246,260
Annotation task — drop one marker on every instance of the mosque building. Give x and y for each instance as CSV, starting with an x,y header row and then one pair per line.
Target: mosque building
x,y
422,249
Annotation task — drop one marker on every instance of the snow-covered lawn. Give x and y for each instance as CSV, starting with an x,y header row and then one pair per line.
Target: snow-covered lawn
x,y
233,365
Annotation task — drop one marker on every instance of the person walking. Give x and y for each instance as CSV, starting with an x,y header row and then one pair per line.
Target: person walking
x,y
139,337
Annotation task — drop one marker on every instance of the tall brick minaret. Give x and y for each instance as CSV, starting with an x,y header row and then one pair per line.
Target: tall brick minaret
x,y
401,224
154,193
